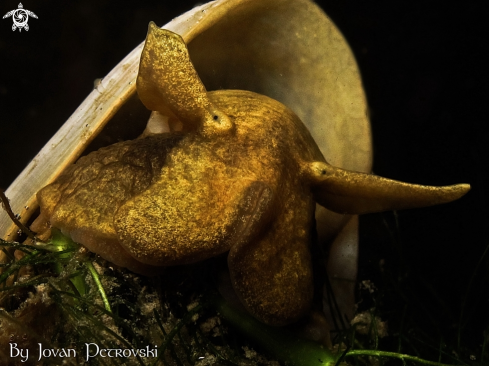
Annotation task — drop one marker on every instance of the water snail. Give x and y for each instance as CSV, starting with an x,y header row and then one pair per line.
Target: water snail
x,y
227,171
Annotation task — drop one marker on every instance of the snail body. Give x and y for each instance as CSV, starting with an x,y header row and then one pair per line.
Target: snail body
x,y
237,172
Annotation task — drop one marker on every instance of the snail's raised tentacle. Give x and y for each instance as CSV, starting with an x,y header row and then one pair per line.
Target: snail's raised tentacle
x,y
351,192
167,82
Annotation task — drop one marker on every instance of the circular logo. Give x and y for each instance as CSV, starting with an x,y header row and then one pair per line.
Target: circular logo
x,y
20,18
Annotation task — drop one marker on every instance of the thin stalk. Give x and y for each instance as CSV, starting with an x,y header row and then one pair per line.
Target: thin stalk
x,y
42,278
168,340
13,217
484,344
284,345
17,265
399,356
100,288
464,301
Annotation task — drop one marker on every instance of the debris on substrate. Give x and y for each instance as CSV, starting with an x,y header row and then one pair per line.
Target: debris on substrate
x,y
63,310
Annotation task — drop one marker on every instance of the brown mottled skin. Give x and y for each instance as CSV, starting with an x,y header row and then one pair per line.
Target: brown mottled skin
x,y
242,176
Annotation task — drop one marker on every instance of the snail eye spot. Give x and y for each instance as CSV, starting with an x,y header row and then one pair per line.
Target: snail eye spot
x,y
323,172
215,118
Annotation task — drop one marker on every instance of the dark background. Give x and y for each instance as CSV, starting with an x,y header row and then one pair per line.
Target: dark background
x,y
424,68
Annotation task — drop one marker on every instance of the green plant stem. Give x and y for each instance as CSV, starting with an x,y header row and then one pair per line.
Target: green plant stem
x,y
169,338
100,288
375,353
294,350
17,265
282,344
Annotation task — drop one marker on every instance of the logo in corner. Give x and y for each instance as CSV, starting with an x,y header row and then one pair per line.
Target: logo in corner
x,y
20,17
